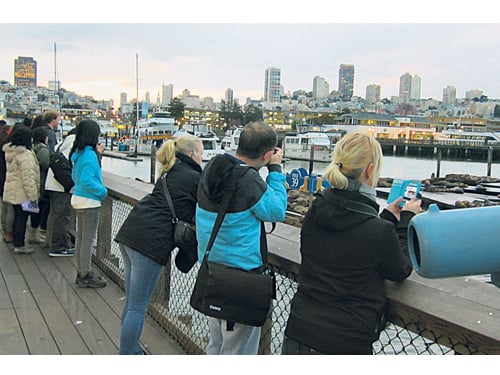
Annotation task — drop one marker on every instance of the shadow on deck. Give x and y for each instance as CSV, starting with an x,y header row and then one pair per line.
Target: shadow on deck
x,y
42,311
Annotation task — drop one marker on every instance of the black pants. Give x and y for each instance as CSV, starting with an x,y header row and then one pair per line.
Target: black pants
x,y
19,227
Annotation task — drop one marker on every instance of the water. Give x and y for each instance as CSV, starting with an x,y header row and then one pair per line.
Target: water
x,y
393,166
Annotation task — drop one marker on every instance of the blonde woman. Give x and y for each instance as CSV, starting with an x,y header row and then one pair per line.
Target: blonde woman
x,y
146,236
348,252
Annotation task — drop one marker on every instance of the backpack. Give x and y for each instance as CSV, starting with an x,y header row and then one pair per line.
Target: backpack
x,y
61,167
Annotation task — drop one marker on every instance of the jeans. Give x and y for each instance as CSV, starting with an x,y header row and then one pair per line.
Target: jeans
x,y
87,222
242,339
141,276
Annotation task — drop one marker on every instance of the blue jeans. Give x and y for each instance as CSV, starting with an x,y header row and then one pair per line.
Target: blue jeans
x,y
141,276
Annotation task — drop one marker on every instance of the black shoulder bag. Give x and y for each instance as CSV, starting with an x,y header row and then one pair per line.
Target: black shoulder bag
x,y
184,236
230,293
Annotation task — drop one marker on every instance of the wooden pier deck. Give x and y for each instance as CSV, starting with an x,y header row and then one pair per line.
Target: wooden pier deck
x,y
42,311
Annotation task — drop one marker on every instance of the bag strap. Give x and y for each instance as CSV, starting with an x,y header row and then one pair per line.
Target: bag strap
x,y
175,219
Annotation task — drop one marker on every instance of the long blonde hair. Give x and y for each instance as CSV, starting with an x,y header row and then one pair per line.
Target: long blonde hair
x,y
351,156
166,154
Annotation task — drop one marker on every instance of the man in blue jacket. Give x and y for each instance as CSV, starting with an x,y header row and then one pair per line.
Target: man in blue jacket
x,y
238,241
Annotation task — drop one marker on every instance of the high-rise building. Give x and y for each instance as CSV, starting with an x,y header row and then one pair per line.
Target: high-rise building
x,y
372,94
346,81
405,88
25,71
228,97
471,94
321,88
449,95
416,85
147,97
167,94
272,85
123,98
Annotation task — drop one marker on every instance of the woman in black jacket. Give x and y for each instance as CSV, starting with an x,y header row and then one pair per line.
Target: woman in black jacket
x,y
146,236
348,252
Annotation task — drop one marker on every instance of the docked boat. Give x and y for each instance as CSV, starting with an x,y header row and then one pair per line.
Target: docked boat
x,y
203,131
300,146
230,141
154,130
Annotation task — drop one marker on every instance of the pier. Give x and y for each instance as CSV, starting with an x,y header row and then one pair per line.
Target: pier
x,y
444,316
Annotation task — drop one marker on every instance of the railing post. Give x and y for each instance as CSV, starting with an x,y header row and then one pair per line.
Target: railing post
x,y
438,170
490,159
311,160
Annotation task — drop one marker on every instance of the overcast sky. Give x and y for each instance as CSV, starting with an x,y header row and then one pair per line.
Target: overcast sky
x,y
99,59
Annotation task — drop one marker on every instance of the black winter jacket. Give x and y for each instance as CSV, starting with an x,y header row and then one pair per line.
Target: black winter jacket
x,y
346,256
148,228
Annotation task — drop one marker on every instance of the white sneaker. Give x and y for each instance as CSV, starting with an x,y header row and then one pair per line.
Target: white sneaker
x,y
24,250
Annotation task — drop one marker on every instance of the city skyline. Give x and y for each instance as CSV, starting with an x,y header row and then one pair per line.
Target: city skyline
x,y
99,59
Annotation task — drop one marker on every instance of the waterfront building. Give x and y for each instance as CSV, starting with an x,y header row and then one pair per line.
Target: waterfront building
x,y
449,95
346,81
321,88
405,88
416,86
25,73
167,94
272,85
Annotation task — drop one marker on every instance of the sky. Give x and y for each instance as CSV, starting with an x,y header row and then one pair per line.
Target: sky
x,y
97,45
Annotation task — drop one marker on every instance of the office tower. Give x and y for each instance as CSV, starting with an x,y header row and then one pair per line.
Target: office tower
x,y
54,85
346,81
449,95
228,97
321,88
272,86
167,94
372,94
25,71
123,98
471,94
416,84
405,88
147,97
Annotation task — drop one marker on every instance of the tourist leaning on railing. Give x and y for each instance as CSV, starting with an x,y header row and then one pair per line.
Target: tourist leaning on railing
x,y
347,252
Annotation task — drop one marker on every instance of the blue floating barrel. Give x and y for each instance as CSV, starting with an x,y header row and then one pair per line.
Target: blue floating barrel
x,y
458,242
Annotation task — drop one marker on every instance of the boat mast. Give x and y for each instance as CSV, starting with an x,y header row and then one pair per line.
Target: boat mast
x,y
136,135
56,87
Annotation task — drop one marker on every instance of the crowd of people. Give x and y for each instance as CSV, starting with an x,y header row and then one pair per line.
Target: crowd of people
x,y
347,248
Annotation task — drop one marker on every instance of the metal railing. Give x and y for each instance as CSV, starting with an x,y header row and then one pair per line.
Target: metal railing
x,y
412,329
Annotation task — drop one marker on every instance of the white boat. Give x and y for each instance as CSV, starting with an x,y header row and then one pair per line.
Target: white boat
x,y
154,130
107,128
298,146
231,139
203,131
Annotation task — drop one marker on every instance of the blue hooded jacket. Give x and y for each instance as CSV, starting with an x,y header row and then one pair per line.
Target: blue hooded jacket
x,y
87,175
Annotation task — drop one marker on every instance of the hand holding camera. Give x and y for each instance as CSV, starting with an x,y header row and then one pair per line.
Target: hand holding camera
x,y
277,157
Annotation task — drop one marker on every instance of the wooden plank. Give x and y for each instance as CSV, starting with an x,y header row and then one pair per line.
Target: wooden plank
x,y
63,330
35,330
11,335
75,302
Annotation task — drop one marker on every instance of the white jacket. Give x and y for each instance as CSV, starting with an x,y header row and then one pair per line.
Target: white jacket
x,y
51,183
